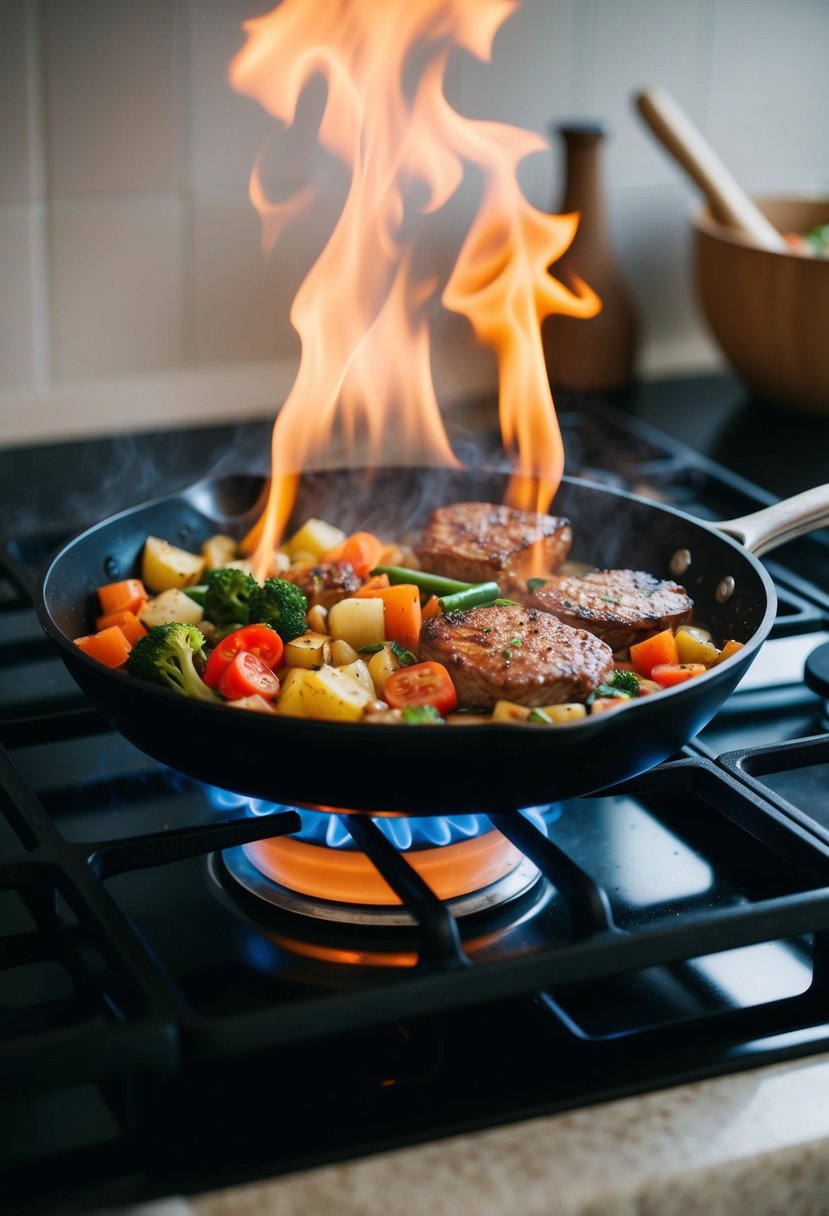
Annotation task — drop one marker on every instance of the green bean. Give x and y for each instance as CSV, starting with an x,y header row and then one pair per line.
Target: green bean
x,y
471,597
430,584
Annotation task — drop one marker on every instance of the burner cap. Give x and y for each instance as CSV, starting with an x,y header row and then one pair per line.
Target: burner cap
x,y
816,671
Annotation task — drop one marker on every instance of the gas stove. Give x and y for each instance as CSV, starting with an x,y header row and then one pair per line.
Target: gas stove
x,y
167,972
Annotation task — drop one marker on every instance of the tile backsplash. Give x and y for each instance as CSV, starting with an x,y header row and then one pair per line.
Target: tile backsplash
x,y
133,289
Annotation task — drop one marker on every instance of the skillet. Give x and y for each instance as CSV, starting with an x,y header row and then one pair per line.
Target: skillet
x,y
441,769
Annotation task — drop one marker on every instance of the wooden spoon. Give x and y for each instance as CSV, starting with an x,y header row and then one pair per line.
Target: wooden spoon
x,y
728,201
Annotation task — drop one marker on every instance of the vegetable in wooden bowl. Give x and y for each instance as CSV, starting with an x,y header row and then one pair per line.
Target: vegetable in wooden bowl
x,y
769,310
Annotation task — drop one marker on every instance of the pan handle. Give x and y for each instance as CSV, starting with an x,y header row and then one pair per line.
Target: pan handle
x,y
783,521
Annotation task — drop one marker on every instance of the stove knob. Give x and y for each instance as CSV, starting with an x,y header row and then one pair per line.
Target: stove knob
x,y
816,671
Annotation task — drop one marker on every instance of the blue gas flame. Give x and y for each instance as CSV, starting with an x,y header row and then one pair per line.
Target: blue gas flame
x,y
323,828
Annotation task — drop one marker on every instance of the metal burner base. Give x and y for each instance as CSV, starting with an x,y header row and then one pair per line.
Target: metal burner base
x,y
511,886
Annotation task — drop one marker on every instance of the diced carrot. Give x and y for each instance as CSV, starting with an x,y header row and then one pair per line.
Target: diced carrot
x,y
731,647
669,674
402,616
128,622
377,582
361,549
108,646
603,704
431,608
661,648
126,595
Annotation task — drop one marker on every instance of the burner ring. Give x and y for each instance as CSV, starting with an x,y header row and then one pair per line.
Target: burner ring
x,y
503,890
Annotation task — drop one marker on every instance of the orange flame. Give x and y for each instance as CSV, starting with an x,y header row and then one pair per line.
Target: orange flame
x,y
363,311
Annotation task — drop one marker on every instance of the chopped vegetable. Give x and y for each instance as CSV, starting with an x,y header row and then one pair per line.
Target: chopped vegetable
x,y
129,624
227,596
471,597
167,656
658,649
281,605
171,605
730,648
126,595
361,550
164,565
259,640
429,584
427,683
358,622
421,715
109,646
402,616
247,676
625,681
669,674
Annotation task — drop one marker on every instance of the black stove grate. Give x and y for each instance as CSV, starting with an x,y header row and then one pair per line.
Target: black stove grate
x,y
151,1008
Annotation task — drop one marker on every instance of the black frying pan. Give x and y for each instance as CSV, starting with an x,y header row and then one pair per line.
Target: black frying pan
x,y
435,769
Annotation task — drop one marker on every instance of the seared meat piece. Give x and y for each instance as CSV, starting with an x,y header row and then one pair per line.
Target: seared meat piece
x,y
620,606
478,542
326,583
513,653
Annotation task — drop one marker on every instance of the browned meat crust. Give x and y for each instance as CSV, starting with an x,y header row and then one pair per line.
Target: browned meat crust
x,y
515,654
476,542
327,583
620,606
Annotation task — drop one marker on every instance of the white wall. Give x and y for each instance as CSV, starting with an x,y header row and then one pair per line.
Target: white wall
x,y
132,287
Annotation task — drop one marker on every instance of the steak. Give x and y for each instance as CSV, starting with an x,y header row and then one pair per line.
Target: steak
x,y
619,606
514,653
478,542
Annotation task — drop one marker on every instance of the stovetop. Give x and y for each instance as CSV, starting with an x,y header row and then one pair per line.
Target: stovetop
x,y
151,1008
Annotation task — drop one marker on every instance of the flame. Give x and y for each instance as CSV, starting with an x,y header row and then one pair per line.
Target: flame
x,y
363,312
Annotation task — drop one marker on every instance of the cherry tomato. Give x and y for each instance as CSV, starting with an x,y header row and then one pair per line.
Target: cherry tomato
x,y
248,676
259,640
427,683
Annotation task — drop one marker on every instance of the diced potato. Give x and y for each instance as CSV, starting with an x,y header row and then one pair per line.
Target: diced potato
x,y
315,537
329,695
508,711
694,649
358,671
318,618
358,622
308,650
342,653
292,682
218,550
570,711
258,704
164,565
380,667
171,605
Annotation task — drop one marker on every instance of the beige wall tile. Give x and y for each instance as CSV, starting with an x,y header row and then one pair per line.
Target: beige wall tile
x,y
17,144
18,321
112,106
117,287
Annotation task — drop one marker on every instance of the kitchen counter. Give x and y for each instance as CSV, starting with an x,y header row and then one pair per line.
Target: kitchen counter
x,y
756,1141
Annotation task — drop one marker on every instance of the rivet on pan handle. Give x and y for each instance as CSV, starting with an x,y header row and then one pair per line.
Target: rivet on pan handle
x,y
772,526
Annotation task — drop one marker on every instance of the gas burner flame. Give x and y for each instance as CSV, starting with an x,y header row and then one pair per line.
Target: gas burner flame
x,y
330,830
365,309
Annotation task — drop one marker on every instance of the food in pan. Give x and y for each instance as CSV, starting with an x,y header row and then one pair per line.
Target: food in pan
x,y
455,629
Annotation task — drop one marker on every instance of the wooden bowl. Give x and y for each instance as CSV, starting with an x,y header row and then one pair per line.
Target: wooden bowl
x,y
769,311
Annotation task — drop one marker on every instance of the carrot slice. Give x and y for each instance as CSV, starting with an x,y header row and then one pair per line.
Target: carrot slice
x,y
658,649
361,549
377,582
109,646
669,674
128,623
731,647
126,595
431,608
402,616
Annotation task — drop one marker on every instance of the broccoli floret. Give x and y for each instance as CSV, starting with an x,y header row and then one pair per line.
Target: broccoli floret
x,y
227,597
625,681
281,605
420,715
166,657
